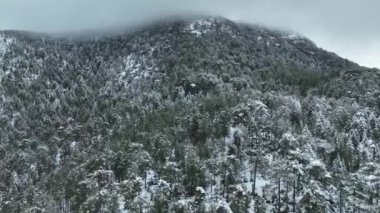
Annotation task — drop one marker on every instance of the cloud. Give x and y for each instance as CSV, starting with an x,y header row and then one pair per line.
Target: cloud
x,y
347,27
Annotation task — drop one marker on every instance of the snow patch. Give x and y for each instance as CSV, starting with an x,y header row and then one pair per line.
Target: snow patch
x,y
292,36
247,179
4,44
225,206
231,133
200,27
131,65
121,203
58,157
200,190
136,67
260,185
316,163
288,136
73,144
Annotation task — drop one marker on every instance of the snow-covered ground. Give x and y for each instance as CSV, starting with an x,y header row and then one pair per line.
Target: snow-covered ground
x,y
200,27
136,67
4,44
292,36
121,203
231,132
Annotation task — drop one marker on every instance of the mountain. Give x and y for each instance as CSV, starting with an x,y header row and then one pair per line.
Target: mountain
x,y
187,115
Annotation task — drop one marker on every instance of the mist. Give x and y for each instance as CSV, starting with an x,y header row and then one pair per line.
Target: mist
x,y
348,28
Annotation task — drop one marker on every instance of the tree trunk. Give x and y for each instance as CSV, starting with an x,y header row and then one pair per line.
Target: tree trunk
x,y
298,183
254,179
145,177
279,195
294,196
224,180
287,198
340,201
256,205
212,182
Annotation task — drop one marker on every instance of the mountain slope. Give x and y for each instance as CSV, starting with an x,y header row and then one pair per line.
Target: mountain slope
x,y
186,116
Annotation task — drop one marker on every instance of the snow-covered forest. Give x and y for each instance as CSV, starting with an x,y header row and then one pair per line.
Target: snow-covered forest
x,y
202,115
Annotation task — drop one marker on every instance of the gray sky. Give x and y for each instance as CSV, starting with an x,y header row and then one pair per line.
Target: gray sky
x,y
347,27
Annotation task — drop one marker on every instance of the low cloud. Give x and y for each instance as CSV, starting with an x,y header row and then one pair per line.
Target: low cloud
x,y
347,27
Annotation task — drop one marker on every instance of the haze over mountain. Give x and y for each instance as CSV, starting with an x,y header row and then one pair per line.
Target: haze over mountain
x,y
347,27
186,115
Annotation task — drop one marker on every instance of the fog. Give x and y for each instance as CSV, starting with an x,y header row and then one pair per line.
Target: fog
x,y
348,27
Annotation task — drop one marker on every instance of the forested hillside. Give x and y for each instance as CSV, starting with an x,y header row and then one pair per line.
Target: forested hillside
x,y
197,115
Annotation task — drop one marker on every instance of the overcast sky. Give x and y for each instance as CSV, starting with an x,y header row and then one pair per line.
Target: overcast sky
x,y
350,28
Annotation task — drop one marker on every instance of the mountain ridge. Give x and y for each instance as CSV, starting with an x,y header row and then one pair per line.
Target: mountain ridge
x,y
151,25
200,115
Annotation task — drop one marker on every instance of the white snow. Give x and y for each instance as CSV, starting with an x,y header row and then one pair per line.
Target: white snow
x,y
154,185
131,65
73,144
311,151
251,207
135,68
4,44
122,74
58,158
260,109
200,27
223,203
292,36
247,177
121,203
239,188
294,104
288,136
316,163
260,184
231,132
200,190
